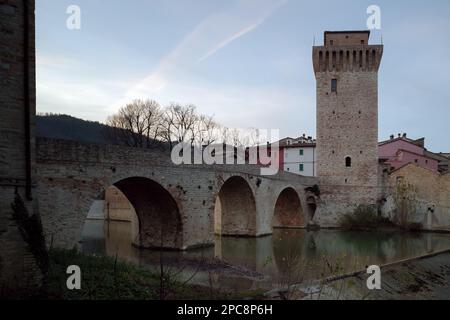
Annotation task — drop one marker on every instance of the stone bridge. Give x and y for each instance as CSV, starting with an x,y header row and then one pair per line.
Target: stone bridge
x,y
178,207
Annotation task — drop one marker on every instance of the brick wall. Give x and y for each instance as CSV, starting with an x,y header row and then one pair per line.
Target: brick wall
x,y
432,205
72,175
17,265
347,124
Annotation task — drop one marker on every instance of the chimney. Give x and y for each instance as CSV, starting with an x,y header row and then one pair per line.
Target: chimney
x,y
399,135
392,137
405,135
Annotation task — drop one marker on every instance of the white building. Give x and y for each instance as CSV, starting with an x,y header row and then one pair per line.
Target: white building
x,y
298,156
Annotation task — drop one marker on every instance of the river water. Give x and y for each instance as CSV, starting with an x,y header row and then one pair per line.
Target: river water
x,y
286,257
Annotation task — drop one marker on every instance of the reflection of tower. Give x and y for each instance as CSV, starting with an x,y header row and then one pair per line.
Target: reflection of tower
x,y
346,70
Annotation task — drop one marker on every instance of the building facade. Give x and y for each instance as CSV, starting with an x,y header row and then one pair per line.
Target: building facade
x,y
346,70
400,151
299,158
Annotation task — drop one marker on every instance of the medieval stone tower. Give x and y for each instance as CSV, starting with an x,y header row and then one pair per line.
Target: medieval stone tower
x,y
346,70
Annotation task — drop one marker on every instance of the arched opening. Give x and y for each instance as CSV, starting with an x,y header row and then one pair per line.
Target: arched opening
x,y
288,212
134,210
235,209
348,162
158,215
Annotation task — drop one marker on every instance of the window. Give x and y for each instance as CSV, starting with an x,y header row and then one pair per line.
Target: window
x,y
301,167
334,85
331,42
362,42
348,162
301,152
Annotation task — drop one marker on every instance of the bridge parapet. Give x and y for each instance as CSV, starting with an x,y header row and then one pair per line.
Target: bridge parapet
x,y
57,150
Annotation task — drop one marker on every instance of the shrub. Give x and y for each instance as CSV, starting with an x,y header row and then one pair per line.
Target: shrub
x,y
364,217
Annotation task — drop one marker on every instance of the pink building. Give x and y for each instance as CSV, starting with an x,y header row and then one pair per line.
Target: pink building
x,y
401,151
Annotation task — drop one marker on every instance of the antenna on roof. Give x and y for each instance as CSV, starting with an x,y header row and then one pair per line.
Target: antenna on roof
x,y
314,41
381,38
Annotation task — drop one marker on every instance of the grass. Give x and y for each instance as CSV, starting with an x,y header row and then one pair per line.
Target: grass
x,y
104,278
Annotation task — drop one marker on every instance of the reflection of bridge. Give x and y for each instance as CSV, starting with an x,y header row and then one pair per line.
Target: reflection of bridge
x,y
178,207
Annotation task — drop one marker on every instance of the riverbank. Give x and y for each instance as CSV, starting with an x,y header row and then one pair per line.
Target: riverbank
x,y
106,278
421,278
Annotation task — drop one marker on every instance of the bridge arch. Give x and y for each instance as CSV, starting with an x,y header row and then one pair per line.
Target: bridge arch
x,y
159,219
235,209
288,211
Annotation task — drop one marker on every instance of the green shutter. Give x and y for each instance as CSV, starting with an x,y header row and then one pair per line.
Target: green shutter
x,y
301,168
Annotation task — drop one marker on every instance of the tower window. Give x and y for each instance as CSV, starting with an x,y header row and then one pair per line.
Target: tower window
x,y
331,42
301,167
302,152
362,42
333,85
348,162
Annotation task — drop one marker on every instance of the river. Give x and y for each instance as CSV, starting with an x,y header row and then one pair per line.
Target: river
x,y
286,257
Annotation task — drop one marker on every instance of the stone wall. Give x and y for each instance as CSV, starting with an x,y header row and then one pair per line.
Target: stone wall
x,y
347,124
117,207
18,267
72,175
432,196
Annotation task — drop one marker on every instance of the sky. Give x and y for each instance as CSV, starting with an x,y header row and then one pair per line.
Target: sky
x,y
248,63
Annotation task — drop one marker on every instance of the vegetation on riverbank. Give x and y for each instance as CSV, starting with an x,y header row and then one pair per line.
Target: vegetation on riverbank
x,y
364,218
105,278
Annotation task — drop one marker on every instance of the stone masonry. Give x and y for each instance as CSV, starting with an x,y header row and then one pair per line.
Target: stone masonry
x,y
431,196
18,267
179,202
346,70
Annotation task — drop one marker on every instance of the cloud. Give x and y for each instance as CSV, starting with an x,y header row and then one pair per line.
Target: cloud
x,y
61,86
212,35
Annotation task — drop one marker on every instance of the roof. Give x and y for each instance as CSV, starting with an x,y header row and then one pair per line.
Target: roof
x,y
416,154
436,156
414,142
300,145
412,164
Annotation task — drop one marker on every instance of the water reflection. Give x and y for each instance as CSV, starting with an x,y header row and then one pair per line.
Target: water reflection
x,y
246,263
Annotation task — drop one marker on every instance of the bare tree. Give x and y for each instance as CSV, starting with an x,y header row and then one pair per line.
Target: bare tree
x,y
143,123
138,124
207,132
179,124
